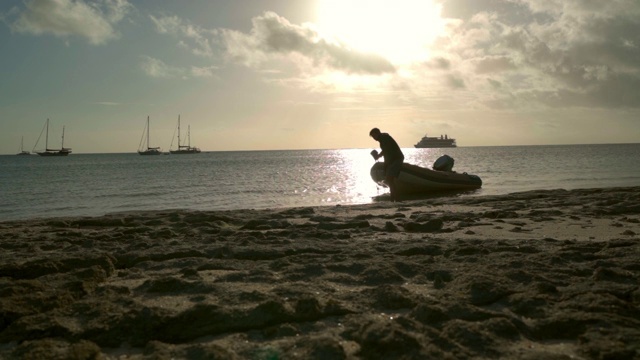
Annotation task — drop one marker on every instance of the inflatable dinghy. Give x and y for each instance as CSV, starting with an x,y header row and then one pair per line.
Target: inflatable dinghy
x,y
414,179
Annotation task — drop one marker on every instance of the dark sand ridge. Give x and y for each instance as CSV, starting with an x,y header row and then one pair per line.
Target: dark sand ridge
x,y
534,275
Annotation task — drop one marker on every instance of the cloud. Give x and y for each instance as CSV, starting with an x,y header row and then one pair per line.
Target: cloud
x,y
116,10
156,68
455,82
274,36
581,8
553,53
64,18
439,63
202,72
196,40
491,64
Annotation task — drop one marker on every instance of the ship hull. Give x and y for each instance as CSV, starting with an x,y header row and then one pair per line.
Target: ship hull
x,y
434,146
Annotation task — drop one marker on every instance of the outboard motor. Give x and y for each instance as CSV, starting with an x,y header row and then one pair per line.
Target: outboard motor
x,y
444,163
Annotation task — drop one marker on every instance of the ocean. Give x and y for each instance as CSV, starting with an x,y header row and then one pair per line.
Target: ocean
x,y
98,184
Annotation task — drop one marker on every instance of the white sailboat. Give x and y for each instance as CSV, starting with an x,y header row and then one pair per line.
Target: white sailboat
x,y
149,150
184,149
22,150
63,151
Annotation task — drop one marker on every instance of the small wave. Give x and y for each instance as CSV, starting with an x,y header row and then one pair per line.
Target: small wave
x,y
130,195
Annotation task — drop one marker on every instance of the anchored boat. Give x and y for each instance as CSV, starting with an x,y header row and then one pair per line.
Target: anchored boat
x,y
148,150
63,151
444,141
184,149
22,150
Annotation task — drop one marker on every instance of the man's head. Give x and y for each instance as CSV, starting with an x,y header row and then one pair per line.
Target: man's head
x,y
374,133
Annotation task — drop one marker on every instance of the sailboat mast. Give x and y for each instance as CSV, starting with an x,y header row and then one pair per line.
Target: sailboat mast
x,y
62,137
189,135
147,132
178,132
46,141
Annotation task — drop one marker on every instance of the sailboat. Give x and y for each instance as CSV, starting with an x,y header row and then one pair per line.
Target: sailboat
x,y
148,150
22,151
63,151
184,149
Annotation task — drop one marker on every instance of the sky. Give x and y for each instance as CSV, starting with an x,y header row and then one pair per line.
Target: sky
x,y
317,74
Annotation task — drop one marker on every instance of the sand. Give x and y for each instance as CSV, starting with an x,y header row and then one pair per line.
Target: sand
x,y
534,275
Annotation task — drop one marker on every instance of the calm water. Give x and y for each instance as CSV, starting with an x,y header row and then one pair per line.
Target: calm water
x,y
96,184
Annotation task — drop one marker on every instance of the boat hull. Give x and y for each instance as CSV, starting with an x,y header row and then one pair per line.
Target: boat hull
x,y
54,153
183,152
414,179
150,152
434,146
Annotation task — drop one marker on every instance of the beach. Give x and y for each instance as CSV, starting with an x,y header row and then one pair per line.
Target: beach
x,y
548,274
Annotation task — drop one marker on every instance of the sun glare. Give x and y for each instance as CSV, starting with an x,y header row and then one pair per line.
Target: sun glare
x,y
399,30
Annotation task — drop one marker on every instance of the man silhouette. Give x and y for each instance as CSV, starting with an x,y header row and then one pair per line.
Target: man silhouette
x,y
393,158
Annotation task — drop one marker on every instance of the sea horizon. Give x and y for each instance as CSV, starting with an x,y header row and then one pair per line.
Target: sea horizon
x,y
345,148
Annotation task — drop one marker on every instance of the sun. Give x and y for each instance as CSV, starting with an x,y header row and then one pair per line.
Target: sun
x,y
399,30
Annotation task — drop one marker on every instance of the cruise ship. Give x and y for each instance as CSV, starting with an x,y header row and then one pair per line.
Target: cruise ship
x,y
443,141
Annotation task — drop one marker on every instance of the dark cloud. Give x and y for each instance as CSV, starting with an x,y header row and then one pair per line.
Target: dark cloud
x,y
570,53
465,9
616,92
439,63
493,64
455,82
495,83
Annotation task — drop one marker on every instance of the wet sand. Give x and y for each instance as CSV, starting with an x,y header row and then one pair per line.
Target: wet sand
x,y
534,275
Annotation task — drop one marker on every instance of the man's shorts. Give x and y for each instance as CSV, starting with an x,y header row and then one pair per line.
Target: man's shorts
x,y
393,169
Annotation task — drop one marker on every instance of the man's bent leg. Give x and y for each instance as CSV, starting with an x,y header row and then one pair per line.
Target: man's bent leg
x,y
391,181
393,171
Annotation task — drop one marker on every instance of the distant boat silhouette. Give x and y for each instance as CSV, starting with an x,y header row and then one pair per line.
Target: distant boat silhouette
x,y
148,150
184,149
436,142
63,151
22,151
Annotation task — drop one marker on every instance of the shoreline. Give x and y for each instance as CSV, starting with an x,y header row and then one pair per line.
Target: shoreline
x,y
535,274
